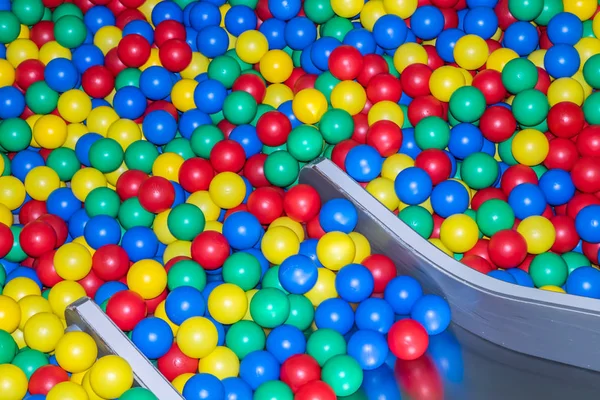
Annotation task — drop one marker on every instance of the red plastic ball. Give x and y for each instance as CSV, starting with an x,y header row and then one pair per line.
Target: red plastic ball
x,y
408,339
591,250
152,304
6,240
497,124
415,80
227,155
315,390
516,175
436,163
477,263
126,309
125,15
434,61
133,50
505,18
489,82
480,250
168,29
28,72
37,238
98,81
345,62
588,141
340,151
195,174
113,62
252,84
262,10
110,262
566,234
241,207
586,174
290,82
385,136
361,127
45,271
58,225
226,127
507,248
175,363
314,230
373,64
579,201
450,18
156,194
45,378
384,87
273,128
302,203
383,270
306,81
162,105
423,107
254,170
91,283
31,211
128,184
565,119
562,154
42,33
298,370
543,82
175,55
210,249
266,204
132,3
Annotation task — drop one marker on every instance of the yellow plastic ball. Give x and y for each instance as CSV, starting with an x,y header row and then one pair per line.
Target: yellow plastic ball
x,y
251,46
6,216
221,362
335,250
587,89
179,382
13,382
40,182
63,294
21,50
227,190
74,105
347,8
197,337
113,176
440,245
176,249
309,105
74,133
583,9
107,38
537,57
87,386
530,147
276,94
182,94
291,224
197,66
565,89
349,96
20,287
52,50
203,200
81,240
362,246
386,110
227,303
596,26
471,52
43,331
395,164
50,131
402,8
17,335
408,54
444,81
370,13
153,60
10,314
111,376
552,288
85,180
161,228
162,314
214,226
587,47
539,233
279,243
125,132
383,190
499,58
7,73
167,165
72,261
30,306
459,233
324,288
12,192
147,278
76,352
77,378
249,295
67,391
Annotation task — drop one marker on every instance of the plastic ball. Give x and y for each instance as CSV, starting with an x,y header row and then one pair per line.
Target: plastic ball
x,y
459,233
110,376
227,303
539,233
197,337
14,380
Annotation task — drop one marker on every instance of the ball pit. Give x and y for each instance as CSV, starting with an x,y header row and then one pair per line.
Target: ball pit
x,y
149,159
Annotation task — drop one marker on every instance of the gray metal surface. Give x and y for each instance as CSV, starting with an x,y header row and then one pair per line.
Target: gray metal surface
x,y
548,325
85,315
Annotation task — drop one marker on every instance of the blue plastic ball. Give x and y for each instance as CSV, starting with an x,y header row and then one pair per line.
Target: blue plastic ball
x,y
236,389
321,50
203,387
565,28
284,9
413,185
98,17
363,163
409,145
107,290
273,29
362,40
427,22
445,43
184,302
481,21
286,109
335,314
242,230
246,136
61,75
101,230
465,139
63,203
212,41
354,283
368,348
308,248
285,341
521,277
502,275
86,56
433,312
209,96
12,102
390,31
156,83
192,119
522,37
204,14
24,272
258,367
526,200
153,337
142,28
338,215
402,293
24,161
139,242
449,198
159,127
557,186
374,314
129,102
298,274
77,222
561,61
587,223
306,61
239,19
584,281
166,10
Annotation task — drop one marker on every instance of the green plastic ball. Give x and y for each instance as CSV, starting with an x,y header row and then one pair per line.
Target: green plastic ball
x,y
419,219
204,139
271,279
70,31
302,312
239,107
128,77
505,151
392,69
432,133
525,10
10,27
15,134
16,253
102,201
336,125
318,11
336,27
29,360
550,9
467,104
8,347
243,270
244,337
180,146
305,143
324,344
591,71
575,260
224,69
269,307
29,12
281,168
138,393
530,107
186,273
186,221
64,162
260,110
66,9
325,84
494,215
591,109
106,155
343,374
244,66
40,98
141,155
519,74
131,213
479,170
548,269
273,390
